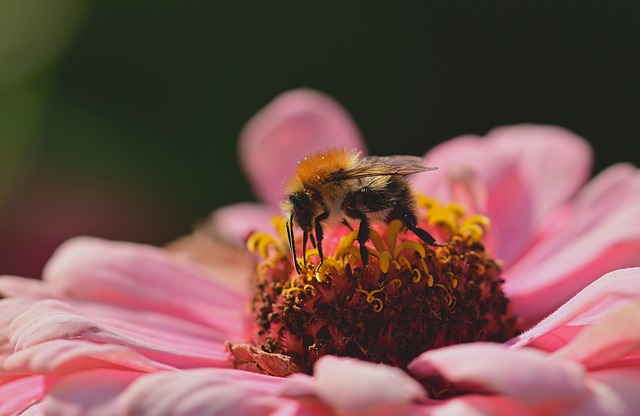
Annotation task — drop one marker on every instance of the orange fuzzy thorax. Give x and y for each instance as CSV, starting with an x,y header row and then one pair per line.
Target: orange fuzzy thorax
x,y
313,170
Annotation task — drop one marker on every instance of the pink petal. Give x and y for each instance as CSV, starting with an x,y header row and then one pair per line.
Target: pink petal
x,y
600,233
170,331
304,387
526,170
9,310
52,337
146,278
230,263
19,395
235,223
68,356
203,392
36,409
290,127
611,392
553,162
482,405
614,337
12,286
146,325
89,393
351,385
528,375
612,291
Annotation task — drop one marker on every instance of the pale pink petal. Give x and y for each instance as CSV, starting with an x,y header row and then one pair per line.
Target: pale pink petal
x,y
528,375
234,223
35,289
348,385
553,162
89,393
483,405
172,333
609,293
522,172
290,127
303,387
36,409
146,278
616,336
452,158
9,310
65,356
230,263
51,337
203,392
599,232
19,395
151,326
610,392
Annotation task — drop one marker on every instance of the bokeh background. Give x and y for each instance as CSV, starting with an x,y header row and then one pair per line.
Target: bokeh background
x,y
120,120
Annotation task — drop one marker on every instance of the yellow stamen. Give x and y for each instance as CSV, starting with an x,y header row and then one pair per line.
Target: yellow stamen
x,y
443,219
265,265
378,305
384,260
426,202
396,282
392,254
309,288
311,253
260,242
291,289
328,262
417,276
415,246
430,281
346,243
375,238
424,267
392,234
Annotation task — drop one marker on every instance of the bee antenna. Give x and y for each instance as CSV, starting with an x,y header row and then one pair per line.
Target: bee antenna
x,y
292,244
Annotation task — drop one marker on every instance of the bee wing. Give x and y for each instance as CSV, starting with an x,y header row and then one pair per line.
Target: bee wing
x,y
384,166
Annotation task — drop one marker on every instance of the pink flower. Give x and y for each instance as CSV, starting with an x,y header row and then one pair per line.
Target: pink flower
x,y
121,328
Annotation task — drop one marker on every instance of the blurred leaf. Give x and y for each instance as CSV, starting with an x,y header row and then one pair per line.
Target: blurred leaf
x,y
19,110
33,33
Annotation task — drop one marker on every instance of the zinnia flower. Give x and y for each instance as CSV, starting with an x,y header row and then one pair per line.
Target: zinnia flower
x,y
121,328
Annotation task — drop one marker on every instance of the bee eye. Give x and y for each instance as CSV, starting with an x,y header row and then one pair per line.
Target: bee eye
x,y
300,201
297,199
302,208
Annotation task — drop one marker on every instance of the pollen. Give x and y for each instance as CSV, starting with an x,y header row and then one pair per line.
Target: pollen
x,y
411,297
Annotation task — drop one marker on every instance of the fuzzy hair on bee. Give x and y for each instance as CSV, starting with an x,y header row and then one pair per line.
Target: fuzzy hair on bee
x,y
338,184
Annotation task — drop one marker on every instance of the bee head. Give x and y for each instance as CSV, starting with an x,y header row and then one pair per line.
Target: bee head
x,y
301,209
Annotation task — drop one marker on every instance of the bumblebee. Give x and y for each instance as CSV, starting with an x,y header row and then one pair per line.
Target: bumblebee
x,y
339,185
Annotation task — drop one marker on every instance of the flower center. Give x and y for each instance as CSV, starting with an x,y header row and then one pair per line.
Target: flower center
x,y
411,297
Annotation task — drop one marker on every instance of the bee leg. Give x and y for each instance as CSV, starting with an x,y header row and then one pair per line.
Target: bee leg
x,y
305,238
363,236
320,234
426,237
345,222
411,222
292,244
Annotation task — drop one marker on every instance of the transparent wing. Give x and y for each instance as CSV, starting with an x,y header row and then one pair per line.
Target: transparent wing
x,y
383,166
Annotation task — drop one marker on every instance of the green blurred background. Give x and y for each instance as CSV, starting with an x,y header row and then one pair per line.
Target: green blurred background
x,y
120,120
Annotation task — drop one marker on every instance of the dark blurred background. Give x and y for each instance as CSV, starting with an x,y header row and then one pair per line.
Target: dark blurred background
x,y
121,121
